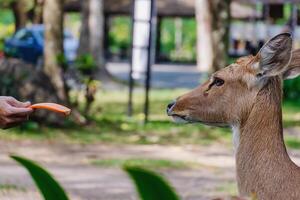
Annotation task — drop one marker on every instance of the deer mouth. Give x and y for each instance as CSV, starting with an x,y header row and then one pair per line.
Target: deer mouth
x,y
180,119
183,119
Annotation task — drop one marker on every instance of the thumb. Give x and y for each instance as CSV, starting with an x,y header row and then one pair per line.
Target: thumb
x,y
19,104
26,104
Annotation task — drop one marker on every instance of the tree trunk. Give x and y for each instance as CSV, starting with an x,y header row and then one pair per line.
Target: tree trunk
x,y
53,20
92,36
96,31
96,26
213,20
84,29
19,11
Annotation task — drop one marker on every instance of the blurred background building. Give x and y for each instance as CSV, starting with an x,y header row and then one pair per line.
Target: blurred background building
x,y
252,23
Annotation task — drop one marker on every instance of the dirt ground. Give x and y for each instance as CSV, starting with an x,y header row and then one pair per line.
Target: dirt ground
x,y
70,164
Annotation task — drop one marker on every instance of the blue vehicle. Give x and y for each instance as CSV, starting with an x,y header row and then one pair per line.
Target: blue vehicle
x,y
28,45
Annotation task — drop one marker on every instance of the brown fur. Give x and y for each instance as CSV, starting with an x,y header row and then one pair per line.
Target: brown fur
x,y
263,165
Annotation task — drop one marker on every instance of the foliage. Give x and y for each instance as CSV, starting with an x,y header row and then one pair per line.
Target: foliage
x,y
85,64
292,142
6,17
47,185
7,187
72,23
109,123
143,162
167,43
292,89
62,61
5,3
119,39
150,185
119,36
6,31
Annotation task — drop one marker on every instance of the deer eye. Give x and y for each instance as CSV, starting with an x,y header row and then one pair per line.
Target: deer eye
x,y
218,82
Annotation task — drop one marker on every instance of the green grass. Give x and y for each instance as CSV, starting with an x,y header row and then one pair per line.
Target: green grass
x,y
291,114
9,187
143,162
228,188
292,142
109,124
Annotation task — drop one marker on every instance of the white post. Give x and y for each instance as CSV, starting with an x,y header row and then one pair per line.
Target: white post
x,y
204,36
141,37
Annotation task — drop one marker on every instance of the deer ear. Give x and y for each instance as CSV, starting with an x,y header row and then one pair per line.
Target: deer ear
x,y
291,73
275,55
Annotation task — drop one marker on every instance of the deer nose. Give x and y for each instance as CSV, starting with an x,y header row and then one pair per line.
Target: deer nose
x,y
170,107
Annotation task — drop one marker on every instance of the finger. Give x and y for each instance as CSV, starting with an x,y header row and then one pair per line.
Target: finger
x,y
15,111
20,104
26,104
12,101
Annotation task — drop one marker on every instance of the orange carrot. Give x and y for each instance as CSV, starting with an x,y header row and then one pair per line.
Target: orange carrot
x,y
52,107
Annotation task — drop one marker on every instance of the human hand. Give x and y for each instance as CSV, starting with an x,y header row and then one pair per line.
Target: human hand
x,y
13,112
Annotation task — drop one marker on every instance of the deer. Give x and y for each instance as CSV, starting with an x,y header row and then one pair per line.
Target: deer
x,y
247,96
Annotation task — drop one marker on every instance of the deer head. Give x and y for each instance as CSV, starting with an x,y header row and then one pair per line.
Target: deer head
x,y
228,96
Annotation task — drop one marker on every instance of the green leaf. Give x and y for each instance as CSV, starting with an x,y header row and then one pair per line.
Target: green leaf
x,y
150,185
47,185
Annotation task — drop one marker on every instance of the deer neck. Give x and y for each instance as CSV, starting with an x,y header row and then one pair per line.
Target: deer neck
x,y
261,153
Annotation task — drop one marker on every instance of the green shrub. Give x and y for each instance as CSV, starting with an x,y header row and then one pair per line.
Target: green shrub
x,y
48,186
85,64
292,89
150,185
